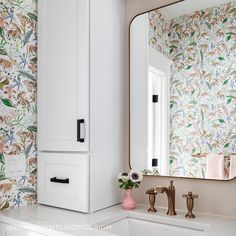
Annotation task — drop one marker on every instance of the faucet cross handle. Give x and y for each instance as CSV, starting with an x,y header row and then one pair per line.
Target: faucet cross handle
x,y
190,204
152,199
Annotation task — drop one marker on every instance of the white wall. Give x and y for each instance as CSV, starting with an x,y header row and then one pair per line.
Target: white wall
x,y
215,197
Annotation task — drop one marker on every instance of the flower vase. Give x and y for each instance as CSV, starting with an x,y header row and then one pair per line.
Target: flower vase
x,y
128,202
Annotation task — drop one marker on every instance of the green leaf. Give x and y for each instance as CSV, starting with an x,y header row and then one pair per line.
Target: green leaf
x,y
221,58
32,16
226,82
233,72
34,60
3,83
226,145
4,206
202,115
7,102
27,75
225,20
231,33
192,34
175,81
193,102
209,146
2,159
208,85
27,190
179,55
179,92
2,33
27,150
189,125
229,100
201,53
2,176
193,44
27,37
193,151
179,36
221,121
228,37
208,25
32,128
3,52
194,160
189,67
232,10
34,171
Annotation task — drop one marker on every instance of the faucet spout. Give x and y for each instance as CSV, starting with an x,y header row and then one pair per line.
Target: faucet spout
x,y
170,192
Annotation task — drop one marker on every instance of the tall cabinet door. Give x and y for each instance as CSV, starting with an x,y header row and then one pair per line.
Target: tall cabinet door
x,y
63,75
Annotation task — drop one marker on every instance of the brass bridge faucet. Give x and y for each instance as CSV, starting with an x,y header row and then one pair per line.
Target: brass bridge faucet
x,y
170,192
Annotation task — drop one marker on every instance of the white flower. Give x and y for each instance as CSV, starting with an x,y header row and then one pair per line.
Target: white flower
x,y
124,176
136,176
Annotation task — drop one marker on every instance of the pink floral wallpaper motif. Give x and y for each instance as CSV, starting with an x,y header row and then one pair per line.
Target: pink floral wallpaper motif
x,y
202,46
18,67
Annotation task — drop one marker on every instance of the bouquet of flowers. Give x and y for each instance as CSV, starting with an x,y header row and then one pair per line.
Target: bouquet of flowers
x,y
130,180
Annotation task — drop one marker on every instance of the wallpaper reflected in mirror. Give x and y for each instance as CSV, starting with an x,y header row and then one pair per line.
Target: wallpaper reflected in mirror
x,y
183,90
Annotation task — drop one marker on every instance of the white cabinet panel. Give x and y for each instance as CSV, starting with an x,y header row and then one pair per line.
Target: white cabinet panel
x,y
63,87
80,76
63,180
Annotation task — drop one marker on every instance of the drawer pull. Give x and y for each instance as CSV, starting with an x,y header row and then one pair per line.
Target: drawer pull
x,y
61,181
79,122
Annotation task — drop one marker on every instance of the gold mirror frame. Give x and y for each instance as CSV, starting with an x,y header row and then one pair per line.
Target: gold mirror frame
x,y
129,57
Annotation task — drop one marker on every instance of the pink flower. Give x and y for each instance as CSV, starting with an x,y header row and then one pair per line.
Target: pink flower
x,y
33,67
33,179
2,22
9,91
2,147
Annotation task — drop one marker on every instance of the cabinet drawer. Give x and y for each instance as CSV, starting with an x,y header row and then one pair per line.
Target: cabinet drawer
x,y
63,180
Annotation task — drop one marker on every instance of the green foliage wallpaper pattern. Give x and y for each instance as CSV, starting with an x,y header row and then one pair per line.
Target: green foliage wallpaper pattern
x,y
18,68
202,46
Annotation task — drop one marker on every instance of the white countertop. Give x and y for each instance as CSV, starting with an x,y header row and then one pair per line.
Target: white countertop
x,y
54,221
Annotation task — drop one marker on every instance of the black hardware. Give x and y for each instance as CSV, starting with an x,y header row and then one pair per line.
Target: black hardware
x,y
61,181
154,162
79,122
154,98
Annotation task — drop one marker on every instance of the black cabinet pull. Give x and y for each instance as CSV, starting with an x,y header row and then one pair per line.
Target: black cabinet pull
x,y
61,181
79,122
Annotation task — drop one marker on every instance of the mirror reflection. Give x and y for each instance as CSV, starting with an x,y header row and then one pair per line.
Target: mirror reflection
x,y
183,90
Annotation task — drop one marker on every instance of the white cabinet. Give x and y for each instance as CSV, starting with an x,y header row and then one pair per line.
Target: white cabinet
x,y
65,180
63,49
80,102
10,230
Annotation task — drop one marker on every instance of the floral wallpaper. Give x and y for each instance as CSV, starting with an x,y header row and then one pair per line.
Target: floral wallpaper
x,y
18,67
202,46
158,32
